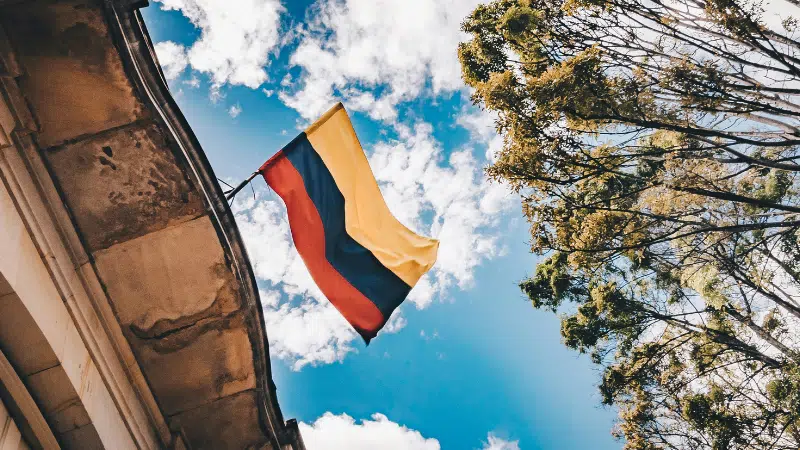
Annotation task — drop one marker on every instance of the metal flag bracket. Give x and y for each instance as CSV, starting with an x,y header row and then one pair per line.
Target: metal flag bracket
x,y
230,193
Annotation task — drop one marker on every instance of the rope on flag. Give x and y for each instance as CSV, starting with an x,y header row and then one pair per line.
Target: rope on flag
x,y
361,257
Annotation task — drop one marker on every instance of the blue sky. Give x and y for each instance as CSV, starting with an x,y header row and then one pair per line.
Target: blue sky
x,y
467,363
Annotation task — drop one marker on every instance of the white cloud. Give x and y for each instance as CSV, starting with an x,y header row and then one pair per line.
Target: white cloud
x,y
427,336
193,82
312,333
235,110
237,38
395,323
342,432
496,443
775,11
375,54
172,57
332,432
480,124
269,299
447,198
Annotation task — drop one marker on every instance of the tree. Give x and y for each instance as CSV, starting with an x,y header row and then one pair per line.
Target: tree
x,y
655,145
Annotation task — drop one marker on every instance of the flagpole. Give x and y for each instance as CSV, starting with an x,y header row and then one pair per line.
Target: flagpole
x,y
241,186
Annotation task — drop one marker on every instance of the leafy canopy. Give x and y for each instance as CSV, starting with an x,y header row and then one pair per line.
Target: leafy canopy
x,y
655,148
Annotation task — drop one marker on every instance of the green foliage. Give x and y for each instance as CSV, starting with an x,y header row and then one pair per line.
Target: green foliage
x,y
655,148
551,285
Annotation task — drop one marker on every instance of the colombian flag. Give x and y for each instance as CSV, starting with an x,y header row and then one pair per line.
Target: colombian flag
x,y
361,257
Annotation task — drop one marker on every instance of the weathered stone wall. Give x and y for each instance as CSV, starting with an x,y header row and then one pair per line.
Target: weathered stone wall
x,y
145,224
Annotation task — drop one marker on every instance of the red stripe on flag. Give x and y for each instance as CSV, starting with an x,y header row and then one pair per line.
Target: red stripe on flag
x,y
309,238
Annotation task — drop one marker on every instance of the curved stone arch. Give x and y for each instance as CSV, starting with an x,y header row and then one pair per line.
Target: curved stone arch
x,y
111,185
53,298
42,343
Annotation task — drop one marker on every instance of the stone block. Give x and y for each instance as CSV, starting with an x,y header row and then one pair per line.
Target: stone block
x,y
58,401
193,369
168,279
22,342
123,184
5,288
231,422
63,44
83,438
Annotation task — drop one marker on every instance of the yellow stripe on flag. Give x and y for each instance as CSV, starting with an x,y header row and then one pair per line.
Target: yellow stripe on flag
x,y
367,218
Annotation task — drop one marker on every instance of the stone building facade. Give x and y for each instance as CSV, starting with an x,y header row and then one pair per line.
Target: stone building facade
x,y
129,313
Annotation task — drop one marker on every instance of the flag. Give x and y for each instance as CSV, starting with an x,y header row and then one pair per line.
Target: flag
x,y
361,257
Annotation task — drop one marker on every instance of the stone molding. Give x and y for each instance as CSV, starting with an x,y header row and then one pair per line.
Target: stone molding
x,y
47,221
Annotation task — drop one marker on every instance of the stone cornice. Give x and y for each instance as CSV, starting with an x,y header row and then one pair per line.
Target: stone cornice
x,y
40,206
